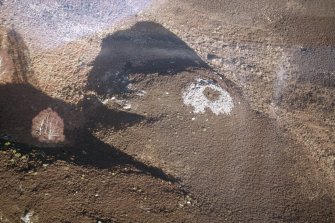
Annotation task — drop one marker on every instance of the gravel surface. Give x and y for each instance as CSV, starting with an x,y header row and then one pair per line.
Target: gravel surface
x,y
52,23
185,111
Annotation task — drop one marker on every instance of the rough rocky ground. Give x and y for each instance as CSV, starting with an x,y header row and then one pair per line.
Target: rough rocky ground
x,y
136,152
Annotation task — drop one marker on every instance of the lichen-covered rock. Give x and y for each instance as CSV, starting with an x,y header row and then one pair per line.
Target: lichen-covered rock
x,y
48,127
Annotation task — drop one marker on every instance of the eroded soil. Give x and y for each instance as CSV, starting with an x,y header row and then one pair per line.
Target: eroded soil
x,y
261,150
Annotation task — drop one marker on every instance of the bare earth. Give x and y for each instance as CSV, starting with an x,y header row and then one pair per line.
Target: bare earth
x,y
178,111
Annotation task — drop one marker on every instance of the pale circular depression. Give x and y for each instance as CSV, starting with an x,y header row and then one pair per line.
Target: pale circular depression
x,y
207,94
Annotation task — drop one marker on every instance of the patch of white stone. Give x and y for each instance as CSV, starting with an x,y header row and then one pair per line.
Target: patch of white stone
x,y
27,218
109,102
194,96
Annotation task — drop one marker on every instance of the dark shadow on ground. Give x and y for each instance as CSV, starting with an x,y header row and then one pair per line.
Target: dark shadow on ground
x,y
145,48
13,48
20,103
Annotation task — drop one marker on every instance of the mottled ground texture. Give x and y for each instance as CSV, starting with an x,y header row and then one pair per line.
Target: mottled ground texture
x,y
167,111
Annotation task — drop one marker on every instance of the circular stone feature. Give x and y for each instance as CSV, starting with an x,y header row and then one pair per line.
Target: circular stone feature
x,y
207,94
48,127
